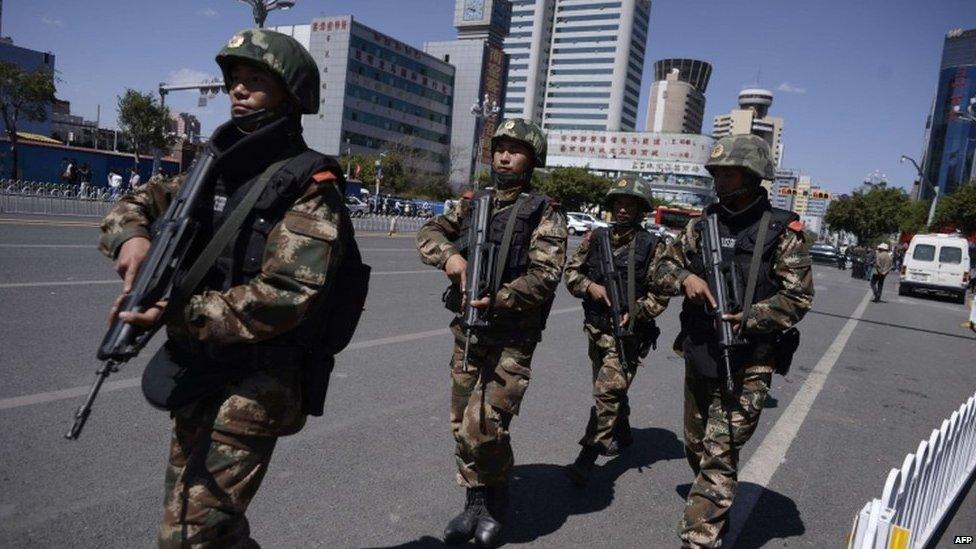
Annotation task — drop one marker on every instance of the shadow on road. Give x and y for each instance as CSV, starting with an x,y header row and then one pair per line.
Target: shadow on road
x,y
775,516
543,497
890,325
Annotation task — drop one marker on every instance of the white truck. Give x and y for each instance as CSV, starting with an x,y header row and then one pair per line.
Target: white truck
x,y
936,263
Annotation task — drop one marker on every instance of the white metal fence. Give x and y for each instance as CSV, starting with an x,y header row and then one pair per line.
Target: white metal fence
x,y
47,199
917,497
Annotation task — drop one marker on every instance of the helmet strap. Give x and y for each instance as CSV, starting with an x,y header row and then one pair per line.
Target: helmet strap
x,y
509,180
258,119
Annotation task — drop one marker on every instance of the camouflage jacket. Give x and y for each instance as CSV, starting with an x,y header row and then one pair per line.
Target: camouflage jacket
x,y
649,305
547,254
299,262
791,269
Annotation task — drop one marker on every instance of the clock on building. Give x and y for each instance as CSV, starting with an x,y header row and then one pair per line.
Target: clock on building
x,y
474,10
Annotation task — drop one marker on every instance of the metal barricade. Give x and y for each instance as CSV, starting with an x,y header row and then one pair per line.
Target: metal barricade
x,y
383,223
917,497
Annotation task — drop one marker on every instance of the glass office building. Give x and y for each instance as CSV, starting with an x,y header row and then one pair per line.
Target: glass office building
x,y
948,160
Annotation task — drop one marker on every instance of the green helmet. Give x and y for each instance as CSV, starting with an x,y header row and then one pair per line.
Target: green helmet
x,y
280,54
630,186
743,151
525,132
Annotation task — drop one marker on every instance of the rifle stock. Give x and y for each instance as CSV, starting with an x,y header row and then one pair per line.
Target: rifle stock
x,y
616,291
173,238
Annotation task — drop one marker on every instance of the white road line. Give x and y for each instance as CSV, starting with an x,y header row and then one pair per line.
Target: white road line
x,y
88,246
772,451
59,283
117,281
109,386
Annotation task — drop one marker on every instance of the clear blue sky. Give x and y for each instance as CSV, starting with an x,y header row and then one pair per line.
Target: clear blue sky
x,y
854,80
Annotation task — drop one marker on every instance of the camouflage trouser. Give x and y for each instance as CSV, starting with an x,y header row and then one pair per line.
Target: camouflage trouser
x,y
712,454
219,454
485,394
610,384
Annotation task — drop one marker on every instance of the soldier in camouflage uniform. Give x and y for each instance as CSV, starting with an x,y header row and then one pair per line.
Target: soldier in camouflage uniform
x,y
244,340
608,430
717,424
487,390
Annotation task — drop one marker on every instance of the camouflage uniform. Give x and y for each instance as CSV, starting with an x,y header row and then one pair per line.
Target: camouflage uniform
x,y
498,369
611,378
709,411
487,391
222,442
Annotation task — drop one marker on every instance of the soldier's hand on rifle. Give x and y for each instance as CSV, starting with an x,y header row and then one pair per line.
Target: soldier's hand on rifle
x,y
456,269
624,320
697,290
736,320
480,303
598,292
131,255
145,319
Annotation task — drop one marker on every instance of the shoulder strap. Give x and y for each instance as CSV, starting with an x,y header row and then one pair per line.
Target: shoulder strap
x,y
631,281
506,244
754,266
227,230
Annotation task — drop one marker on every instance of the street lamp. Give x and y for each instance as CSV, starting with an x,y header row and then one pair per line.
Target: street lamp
x,y
970,117
483,112
379,175
925,181
260,8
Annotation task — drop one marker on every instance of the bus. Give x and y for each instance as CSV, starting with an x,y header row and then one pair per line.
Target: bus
x,y
674,219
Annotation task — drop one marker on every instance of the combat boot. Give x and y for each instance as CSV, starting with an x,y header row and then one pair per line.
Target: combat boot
x,y
579,471
622,438
490,525
462,527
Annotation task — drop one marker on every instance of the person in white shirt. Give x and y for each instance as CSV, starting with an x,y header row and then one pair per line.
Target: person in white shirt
x,y
134,180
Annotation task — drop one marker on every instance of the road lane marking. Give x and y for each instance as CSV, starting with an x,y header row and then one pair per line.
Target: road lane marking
x,y
128,383
772,451
48,223
118,281
89,246
59,283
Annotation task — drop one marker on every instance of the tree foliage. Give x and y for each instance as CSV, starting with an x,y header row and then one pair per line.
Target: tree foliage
x,y
23,95
868,216
958,210
574,187
913,218
144,120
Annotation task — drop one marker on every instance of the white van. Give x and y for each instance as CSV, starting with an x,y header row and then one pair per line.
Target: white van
x,y
938,263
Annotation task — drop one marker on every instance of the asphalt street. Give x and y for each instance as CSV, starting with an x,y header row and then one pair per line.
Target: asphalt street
x,y
868,383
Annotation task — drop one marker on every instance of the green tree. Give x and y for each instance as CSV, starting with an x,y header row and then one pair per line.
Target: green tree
x,y
574,187
144,120
958,209
914,216
24,95
868,216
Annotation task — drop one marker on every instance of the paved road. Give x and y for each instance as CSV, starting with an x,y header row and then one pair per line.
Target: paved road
x,y
870,381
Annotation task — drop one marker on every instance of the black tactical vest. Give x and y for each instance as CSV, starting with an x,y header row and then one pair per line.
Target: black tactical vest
x,y
527,218
596,313
738,235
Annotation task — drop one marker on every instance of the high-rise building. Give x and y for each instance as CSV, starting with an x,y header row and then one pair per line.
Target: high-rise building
x,y
28,60
795,192
596,64
948,160
528,49
752,116
185,126
378,94
480,70
677,102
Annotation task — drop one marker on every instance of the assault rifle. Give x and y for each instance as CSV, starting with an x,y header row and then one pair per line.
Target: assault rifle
x,y
482,262
724,281
173,236
616,292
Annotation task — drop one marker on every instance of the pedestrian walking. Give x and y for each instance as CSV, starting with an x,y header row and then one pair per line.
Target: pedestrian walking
x,y
633,250
487,390
883,262
759,239
84,177
249,355
134,179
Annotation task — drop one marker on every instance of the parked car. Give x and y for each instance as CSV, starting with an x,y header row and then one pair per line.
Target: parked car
x,y
579,222
824,253
660,230
936,263
357,208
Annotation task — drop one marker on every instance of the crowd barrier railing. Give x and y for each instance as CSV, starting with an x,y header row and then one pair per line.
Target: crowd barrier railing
x,y
918,496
